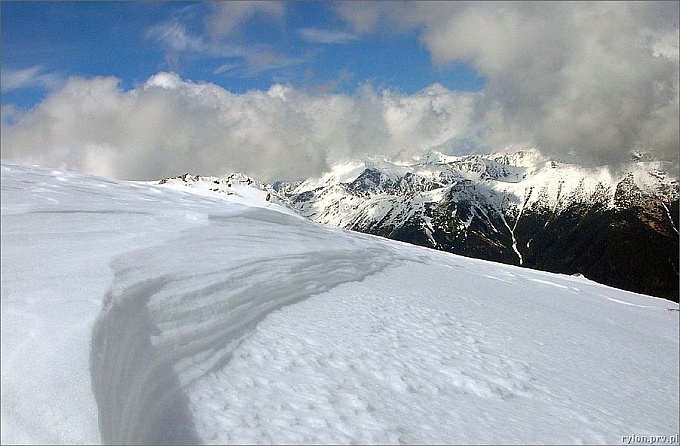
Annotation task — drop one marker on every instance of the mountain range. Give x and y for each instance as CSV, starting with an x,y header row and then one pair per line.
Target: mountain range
x,y
614,224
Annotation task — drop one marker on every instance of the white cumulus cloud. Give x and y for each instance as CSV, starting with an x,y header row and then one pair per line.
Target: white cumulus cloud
x,y
169,126
595,79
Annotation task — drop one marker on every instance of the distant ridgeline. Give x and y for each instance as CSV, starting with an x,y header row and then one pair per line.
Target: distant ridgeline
x,y
617,225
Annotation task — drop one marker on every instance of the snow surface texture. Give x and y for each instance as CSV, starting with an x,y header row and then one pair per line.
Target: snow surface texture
x,y
134,313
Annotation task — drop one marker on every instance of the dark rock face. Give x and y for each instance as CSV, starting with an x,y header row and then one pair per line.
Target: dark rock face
x,y
618,233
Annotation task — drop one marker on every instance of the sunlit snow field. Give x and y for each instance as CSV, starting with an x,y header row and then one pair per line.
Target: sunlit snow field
x,y
136,313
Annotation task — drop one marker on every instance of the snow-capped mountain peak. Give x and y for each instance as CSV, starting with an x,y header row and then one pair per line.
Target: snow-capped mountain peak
x,y
527,157
503,206
343,172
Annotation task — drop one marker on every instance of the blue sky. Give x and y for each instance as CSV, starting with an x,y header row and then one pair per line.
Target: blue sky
x,y
283,90
306,45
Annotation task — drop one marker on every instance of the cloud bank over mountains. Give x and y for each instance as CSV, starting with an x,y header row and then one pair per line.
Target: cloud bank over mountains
x,y
595,78
170,125
588,81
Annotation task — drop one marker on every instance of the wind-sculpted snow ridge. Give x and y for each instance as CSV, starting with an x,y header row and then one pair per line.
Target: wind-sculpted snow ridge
x,y
181,278
60,231
166,322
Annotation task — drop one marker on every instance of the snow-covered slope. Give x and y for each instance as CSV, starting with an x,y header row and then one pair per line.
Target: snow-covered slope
x,y
134,313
